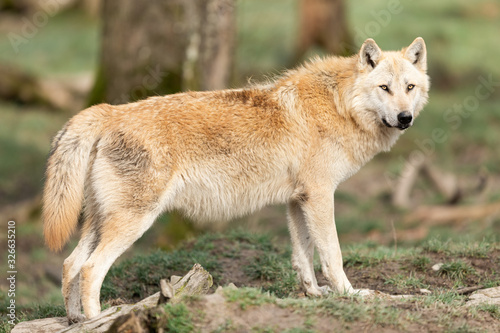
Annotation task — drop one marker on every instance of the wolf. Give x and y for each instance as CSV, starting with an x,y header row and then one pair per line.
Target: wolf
x,y
216,155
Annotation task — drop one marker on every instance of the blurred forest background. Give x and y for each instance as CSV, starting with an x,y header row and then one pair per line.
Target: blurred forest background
x,y
441,180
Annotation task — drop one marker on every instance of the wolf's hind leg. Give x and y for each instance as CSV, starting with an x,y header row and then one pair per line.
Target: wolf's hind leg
x,y
71,276
303,250
117,234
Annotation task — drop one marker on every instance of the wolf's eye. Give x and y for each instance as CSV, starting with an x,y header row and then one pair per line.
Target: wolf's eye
x,y
384,87
411,86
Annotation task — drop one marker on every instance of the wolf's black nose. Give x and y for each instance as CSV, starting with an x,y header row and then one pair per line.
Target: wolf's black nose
x,y
405,117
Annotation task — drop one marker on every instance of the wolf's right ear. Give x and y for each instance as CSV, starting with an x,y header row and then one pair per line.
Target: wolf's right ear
x,y
369,54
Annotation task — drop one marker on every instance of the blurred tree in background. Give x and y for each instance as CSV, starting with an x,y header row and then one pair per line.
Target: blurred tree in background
x,y
323,24
163,46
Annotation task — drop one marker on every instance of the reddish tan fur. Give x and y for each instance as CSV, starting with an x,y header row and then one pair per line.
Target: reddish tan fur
x,y
217,155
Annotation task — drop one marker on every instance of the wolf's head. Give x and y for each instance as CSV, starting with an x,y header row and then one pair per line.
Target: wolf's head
x,y
394,84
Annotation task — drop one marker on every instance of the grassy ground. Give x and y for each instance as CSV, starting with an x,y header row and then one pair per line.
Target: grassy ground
x,y
461,38
267,283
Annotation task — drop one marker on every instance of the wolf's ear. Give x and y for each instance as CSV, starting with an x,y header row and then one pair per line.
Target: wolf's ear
x,y
370,53
416,53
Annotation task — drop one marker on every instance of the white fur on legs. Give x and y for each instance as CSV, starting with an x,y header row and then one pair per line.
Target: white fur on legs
x,y
321,224
71,278
114,241
303,251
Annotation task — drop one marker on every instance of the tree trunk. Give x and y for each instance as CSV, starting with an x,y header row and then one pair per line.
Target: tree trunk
x,y
211,43
158,47
323,24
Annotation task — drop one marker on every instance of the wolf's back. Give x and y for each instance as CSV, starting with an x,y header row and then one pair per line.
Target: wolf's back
x,y
65,176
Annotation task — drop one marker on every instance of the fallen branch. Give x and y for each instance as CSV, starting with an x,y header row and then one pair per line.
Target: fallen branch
x,y
468,290
127,317
196,282
444,182
437,215
401,196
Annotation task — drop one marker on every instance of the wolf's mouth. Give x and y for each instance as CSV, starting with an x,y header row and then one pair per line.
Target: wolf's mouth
x,y
386,123
403,126
399,126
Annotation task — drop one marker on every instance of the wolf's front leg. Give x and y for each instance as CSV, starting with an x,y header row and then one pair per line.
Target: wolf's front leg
x,y
319,214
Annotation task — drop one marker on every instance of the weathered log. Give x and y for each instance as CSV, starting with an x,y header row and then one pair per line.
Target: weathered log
x,y
128,317
196,282
436,215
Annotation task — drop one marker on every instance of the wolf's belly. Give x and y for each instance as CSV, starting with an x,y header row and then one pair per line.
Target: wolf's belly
x,y
212,195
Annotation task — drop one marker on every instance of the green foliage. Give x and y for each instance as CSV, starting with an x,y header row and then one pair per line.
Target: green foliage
x,y
44,311
36,311
139,276
492,309
276,269
406,281
248,296
421,262
353,259
456,270
465,248
369,255
448,297
179,318
166,318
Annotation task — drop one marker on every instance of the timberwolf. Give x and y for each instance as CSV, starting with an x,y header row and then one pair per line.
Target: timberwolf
x,y
220,154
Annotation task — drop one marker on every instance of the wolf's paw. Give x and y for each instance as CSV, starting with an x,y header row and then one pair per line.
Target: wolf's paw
x,y
363,292
76,319
318,291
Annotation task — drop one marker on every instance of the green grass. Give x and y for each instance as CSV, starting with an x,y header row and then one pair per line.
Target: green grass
x,y
446,297
492,309
406,281
465,248
139,276
421,263
246,297
177,318
456,270
276,269
32,312
370,255
164,318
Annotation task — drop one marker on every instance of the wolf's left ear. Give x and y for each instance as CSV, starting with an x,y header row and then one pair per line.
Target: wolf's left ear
x,y
369,54
416,53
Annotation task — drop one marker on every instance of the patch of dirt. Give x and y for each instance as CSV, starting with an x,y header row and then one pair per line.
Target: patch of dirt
x,y
233,262
220,315
375,277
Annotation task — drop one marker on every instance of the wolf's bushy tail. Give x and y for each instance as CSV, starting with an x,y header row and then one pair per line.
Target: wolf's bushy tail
x,y
65,176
